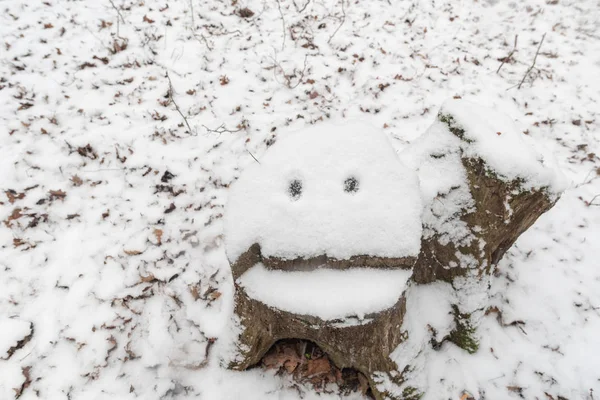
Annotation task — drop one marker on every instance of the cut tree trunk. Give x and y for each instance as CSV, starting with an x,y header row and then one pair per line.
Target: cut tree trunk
x,y
501,211
364,346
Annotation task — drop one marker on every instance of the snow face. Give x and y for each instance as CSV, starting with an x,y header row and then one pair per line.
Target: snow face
x,y
338,190
326,293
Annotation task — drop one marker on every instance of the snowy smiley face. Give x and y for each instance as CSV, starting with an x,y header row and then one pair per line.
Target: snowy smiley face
x,y
325,203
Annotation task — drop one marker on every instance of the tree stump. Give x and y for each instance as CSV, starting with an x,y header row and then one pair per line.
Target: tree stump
x,y
326,234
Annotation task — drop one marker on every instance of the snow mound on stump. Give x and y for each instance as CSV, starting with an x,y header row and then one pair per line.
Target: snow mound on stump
x,y
495,138
335,190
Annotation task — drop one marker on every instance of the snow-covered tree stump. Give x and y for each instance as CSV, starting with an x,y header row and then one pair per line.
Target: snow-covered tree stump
x,y
327,234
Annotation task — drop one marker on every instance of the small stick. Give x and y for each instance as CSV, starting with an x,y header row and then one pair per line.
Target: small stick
x,y
303,8
252,156
508,57
532,65
192,14
118,16
283,25
343,20
591,202
172,100
220,129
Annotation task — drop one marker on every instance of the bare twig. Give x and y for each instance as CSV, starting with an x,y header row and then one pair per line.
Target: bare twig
x,y
283,25
202,38
591,202
119,16
252,156
586,181
288,78
199,37
221,129
533,64
300,10
342,23
192,13
509,56
172,100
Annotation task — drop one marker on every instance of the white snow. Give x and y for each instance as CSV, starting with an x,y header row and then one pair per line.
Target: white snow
x,y
508,150
382,218
70,276
436,157
326,293
12,331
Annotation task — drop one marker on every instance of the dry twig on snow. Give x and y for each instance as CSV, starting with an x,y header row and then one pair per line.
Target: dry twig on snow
x,y
342,23
533,64
509,56
172,100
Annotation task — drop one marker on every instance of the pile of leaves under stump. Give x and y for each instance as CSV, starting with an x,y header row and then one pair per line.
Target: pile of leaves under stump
x,y
307,363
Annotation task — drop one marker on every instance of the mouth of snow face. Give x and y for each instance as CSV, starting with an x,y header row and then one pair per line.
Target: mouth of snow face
x,y
323,261
329,294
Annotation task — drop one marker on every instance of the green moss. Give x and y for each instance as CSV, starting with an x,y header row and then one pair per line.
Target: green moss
x,y
411,393
454,127
464,334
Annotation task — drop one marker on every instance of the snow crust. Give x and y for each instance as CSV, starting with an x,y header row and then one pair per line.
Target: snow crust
x,y
503,146
326,293
382,218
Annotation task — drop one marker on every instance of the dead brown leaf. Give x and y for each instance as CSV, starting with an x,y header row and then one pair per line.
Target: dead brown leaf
x,y
57,194
27,374
148,279
317,367
195,292
77,181
13,196
16,214
158,233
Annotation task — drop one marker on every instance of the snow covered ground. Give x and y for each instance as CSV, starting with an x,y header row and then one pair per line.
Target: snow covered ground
x,y
123,124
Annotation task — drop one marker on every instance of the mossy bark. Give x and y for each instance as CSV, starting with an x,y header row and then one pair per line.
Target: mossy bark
x,y
502,211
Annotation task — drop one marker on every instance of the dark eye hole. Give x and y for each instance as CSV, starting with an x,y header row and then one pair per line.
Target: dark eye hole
x,y
295,189
351,185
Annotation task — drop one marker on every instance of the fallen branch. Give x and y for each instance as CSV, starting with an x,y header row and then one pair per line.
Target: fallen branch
x,y
509,56
532,65
172,100
342,23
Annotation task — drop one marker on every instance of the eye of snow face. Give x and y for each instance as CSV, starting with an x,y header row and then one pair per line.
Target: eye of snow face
x,y
351,185
295,189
